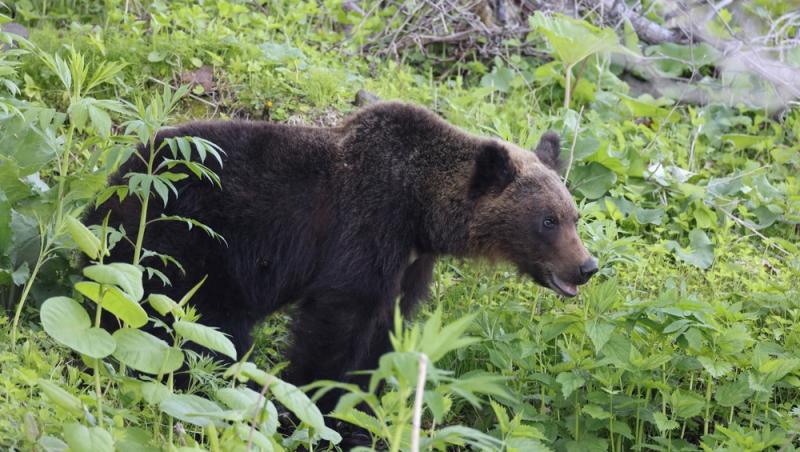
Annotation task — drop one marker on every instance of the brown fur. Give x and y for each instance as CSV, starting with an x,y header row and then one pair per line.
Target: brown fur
x,y
343,221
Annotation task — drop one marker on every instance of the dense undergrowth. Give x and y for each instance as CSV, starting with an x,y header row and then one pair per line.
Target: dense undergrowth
x,y
688,340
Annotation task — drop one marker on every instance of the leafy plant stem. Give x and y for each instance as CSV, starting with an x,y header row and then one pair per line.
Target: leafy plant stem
x,y
62,180
137,250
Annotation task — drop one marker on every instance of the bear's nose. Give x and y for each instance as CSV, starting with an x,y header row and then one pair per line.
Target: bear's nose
x,y
588,268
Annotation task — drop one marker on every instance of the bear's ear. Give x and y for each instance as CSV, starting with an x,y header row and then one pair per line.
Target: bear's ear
x,y
493,170
549,151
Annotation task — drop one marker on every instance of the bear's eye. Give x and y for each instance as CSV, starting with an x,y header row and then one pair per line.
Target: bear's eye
x,y
549,223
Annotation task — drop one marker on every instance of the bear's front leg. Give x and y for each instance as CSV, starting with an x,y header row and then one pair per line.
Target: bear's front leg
x,y
335,334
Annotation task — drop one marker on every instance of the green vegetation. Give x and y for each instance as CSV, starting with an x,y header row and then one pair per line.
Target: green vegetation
x,y
689,339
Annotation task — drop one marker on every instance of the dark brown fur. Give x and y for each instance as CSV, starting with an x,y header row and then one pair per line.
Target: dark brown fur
x,y
343,221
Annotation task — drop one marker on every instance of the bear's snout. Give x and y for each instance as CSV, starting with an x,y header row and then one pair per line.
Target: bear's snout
x,y
587,269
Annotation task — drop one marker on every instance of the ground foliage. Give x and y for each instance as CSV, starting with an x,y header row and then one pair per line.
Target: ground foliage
x,y
687,340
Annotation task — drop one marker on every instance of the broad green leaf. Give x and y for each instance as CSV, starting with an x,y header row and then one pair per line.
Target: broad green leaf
x,y
206,336
592,180
618,351
700,252
361,419
126,276
663,423
242,399
734,339
686,404
499,79
88,439
101,122
716,367
574,39
733,394
146,353
52,444
569,382
646,107
60,397
83,237
649,216
154,392
193,409
115,301
599,331
65,320
134,439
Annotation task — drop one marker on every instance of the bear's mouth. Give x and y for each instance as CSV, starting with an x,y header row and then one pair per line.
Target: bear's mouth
x,y
562,287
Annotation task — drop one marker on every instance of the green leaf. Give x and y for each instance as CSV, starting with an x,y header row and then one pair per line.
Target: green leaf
x,y
569,382
193,409
146,353
599,331
88,439
101,122
52,444
115,301
686,404
741,141
206,336
361,419
165,305
242,399
499,79
60,397
83,237
733,394
298,403
663,423
592,180
437,342
715,367
649,216
154,392
126,276
65,320
574,39
596,411
700,252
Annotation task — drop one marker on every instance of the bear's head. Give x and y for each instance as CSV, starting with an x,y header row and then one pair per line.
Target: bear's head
x,y
524,214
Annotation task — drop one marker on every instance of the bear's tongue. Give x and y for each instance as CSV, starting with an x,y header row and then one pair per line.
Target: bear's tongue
x,y
568,289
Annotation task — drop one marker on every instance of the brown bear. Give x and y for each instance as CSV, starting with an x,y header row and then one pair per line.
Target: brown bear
x,y
344,221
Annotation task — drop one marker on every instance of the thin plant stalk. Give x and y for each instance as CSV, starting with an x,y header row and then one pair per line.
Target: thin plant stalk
x,y
423,362
45,243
